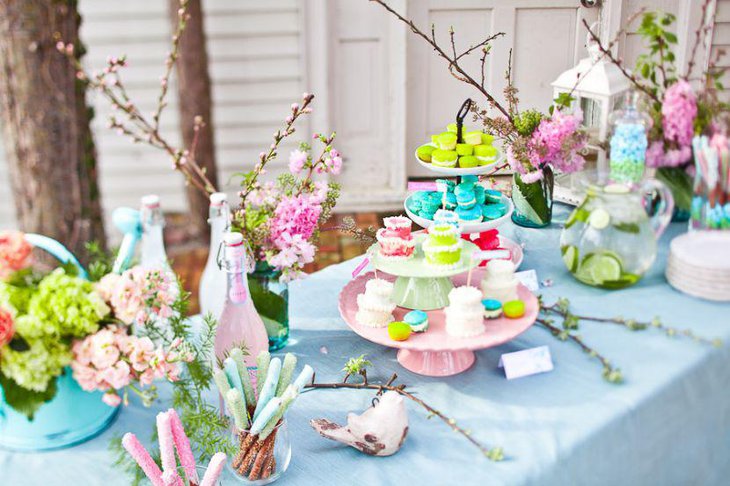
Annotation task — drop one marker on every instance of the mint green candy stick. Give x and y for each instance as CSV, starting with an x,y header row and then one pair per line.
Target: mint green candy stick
x,y
234,401
286,400
262,370
287,371
229,366
248,392
270,410
221,380
269,388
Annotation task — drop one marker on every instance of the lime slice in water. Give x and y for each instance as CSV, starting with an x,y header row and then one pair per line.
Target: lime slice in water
x,y
599,218
601,267
570,257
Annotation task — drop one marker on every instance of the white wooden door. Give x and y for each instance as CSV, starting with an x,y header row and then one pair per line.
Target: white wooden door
x,y
545,38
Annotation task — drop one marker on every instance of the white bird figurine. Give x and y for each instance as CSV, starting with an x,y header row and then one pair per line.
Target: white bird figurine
x,y
379,431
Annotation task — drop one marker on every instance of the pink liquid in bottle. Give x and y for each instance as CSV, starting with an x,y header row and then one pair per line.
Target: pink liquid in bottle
x,y
239,324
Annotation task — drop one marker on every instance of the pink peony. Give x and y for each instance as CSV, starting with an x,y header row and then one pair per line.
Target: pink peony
x,y
15,253
294,215
556,141
7,327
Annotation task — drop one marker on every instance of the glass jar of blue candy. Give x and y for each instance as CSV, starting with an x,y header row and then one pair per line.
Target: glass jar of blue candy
x,y
629,128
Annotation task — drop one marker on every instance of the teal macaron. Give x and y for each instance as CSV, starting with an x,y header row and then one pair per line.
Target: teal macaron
x,y
450,201
492,308
492,195
491,211
417,319
480,194
471,215
465,196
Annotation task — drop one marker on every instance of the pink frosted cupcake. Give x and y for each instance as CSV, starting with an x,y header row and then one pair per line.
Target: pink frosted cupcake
x,y
396,241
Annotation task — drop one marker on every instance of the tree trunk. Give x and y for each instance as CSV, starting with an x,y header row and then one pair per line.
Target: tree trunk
x,y
194,95
45,120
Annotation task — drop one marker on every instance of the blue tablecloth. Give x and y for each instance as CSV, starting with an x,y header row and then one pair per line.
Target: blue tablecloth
x,y
669,423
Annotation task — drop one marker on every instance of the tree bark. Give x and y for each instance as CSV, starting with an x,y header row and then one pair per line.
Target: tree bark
x,y
194,95
45,119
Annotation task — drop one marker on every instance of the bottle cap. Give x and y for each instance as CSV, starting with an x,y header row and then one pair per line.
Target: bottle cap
x,y
218,198
233,239
151,201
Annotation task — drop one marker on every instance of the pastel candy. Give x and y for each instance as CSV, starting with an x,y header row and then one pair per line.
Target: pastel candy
x,y
492,195
444,158
468,161
465,196
262,369
304,378
450,200
287,371
272,406
514,309
221,381
469,179
471,215
451,127
417,319
479,194
464,149
232,373
269,389
448,183
237,408
485,153
286,400
491,212
248,392
447,141
473,138
424,152
492,308
487,139
399,331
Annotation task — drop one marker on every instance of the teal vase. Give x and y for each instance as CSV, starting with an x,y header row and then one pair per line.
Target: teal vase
x,y
271,298
72,416
533,201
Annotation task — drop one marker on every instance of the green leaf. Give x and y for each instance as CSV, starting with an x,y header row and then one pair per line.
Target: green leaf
x,y
267,303
670,37
24,401
628,227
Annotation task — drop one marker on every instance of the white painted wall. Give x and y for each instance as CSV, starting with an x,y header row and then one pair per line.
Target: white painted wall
x,y
379,86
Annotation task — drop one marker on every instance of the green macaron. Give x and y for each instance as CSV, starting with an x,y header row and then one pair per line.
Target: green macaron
x,y
424,152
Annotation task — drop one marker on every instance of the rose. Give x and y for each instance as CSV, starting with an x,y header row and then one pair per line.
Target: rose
x,y
15,253
7,327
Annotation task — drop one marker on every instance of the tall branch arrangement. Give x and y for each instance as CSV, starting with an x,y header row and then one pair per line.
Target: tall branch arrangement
x,y
535,142
279,219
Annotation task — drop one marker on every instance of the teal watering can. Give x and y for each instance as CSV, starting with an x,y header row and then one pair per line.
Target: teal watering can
x,y
73,415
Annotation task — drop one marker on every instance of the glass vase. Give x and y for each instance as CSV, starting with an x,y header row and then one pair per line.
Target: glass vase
x,y
264,461
271,299
680,183
533,201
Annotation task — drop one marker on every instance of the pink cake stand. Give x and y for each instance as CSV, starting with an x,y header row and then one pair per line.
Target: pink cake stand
x,y
434,352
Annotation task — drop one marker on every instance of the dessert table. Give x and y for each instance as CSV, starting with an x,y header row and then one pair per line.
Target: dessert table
x,y
669,423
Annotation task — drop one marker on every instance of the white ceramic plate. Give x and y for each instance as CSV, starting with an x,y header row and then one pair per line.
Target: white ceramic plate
x,y
458,171
465,228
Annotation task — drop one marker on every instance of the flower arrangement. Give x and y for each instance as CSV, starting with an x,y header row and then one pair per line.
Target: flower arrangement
x,y
681,104
536,143
58,322
281,219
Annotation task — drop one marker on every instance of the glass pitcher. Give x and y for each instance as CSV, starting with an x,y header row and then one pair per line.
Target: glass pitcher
x,y
609,240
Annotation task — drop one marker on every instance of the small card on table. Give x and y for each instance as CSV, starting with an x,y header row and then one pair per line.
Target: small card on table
x,y
526,362
528,278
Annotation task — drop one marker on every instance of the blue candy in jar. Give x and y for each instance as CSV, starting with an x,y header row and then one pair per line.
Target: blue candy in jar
x,y
629,141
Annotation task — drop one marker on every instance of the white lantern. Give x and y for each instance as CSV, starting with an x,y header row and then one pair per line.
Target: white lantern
x,y
597,87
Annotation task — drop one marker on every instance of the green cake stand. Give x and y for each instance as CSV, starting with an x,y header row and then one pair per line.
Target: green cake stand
x,y
420,285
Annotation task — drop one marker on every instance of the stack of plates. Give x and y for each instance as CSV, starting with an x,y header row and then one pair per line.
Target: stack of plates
x,y
699,264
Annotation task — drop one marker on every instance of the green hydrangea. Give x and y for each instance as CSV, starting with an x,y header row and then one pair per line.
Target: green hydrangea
x,y
64,306
527,121
15,298
34,368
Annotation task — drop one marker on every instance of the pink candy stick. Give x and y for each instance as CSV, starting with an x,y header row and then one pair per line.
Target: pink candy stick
x,y
167,445
182,444
171,478
215,467
142,457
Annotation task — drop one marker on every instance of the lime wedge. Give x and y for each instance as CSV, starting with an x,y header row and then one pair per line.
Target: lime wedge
x,y
570,257
599,218
602,267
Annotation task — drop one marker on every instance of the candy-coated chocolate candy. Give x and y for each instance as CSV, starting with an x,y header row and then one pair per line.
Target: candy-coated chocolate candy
x,y
399,331
514,309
